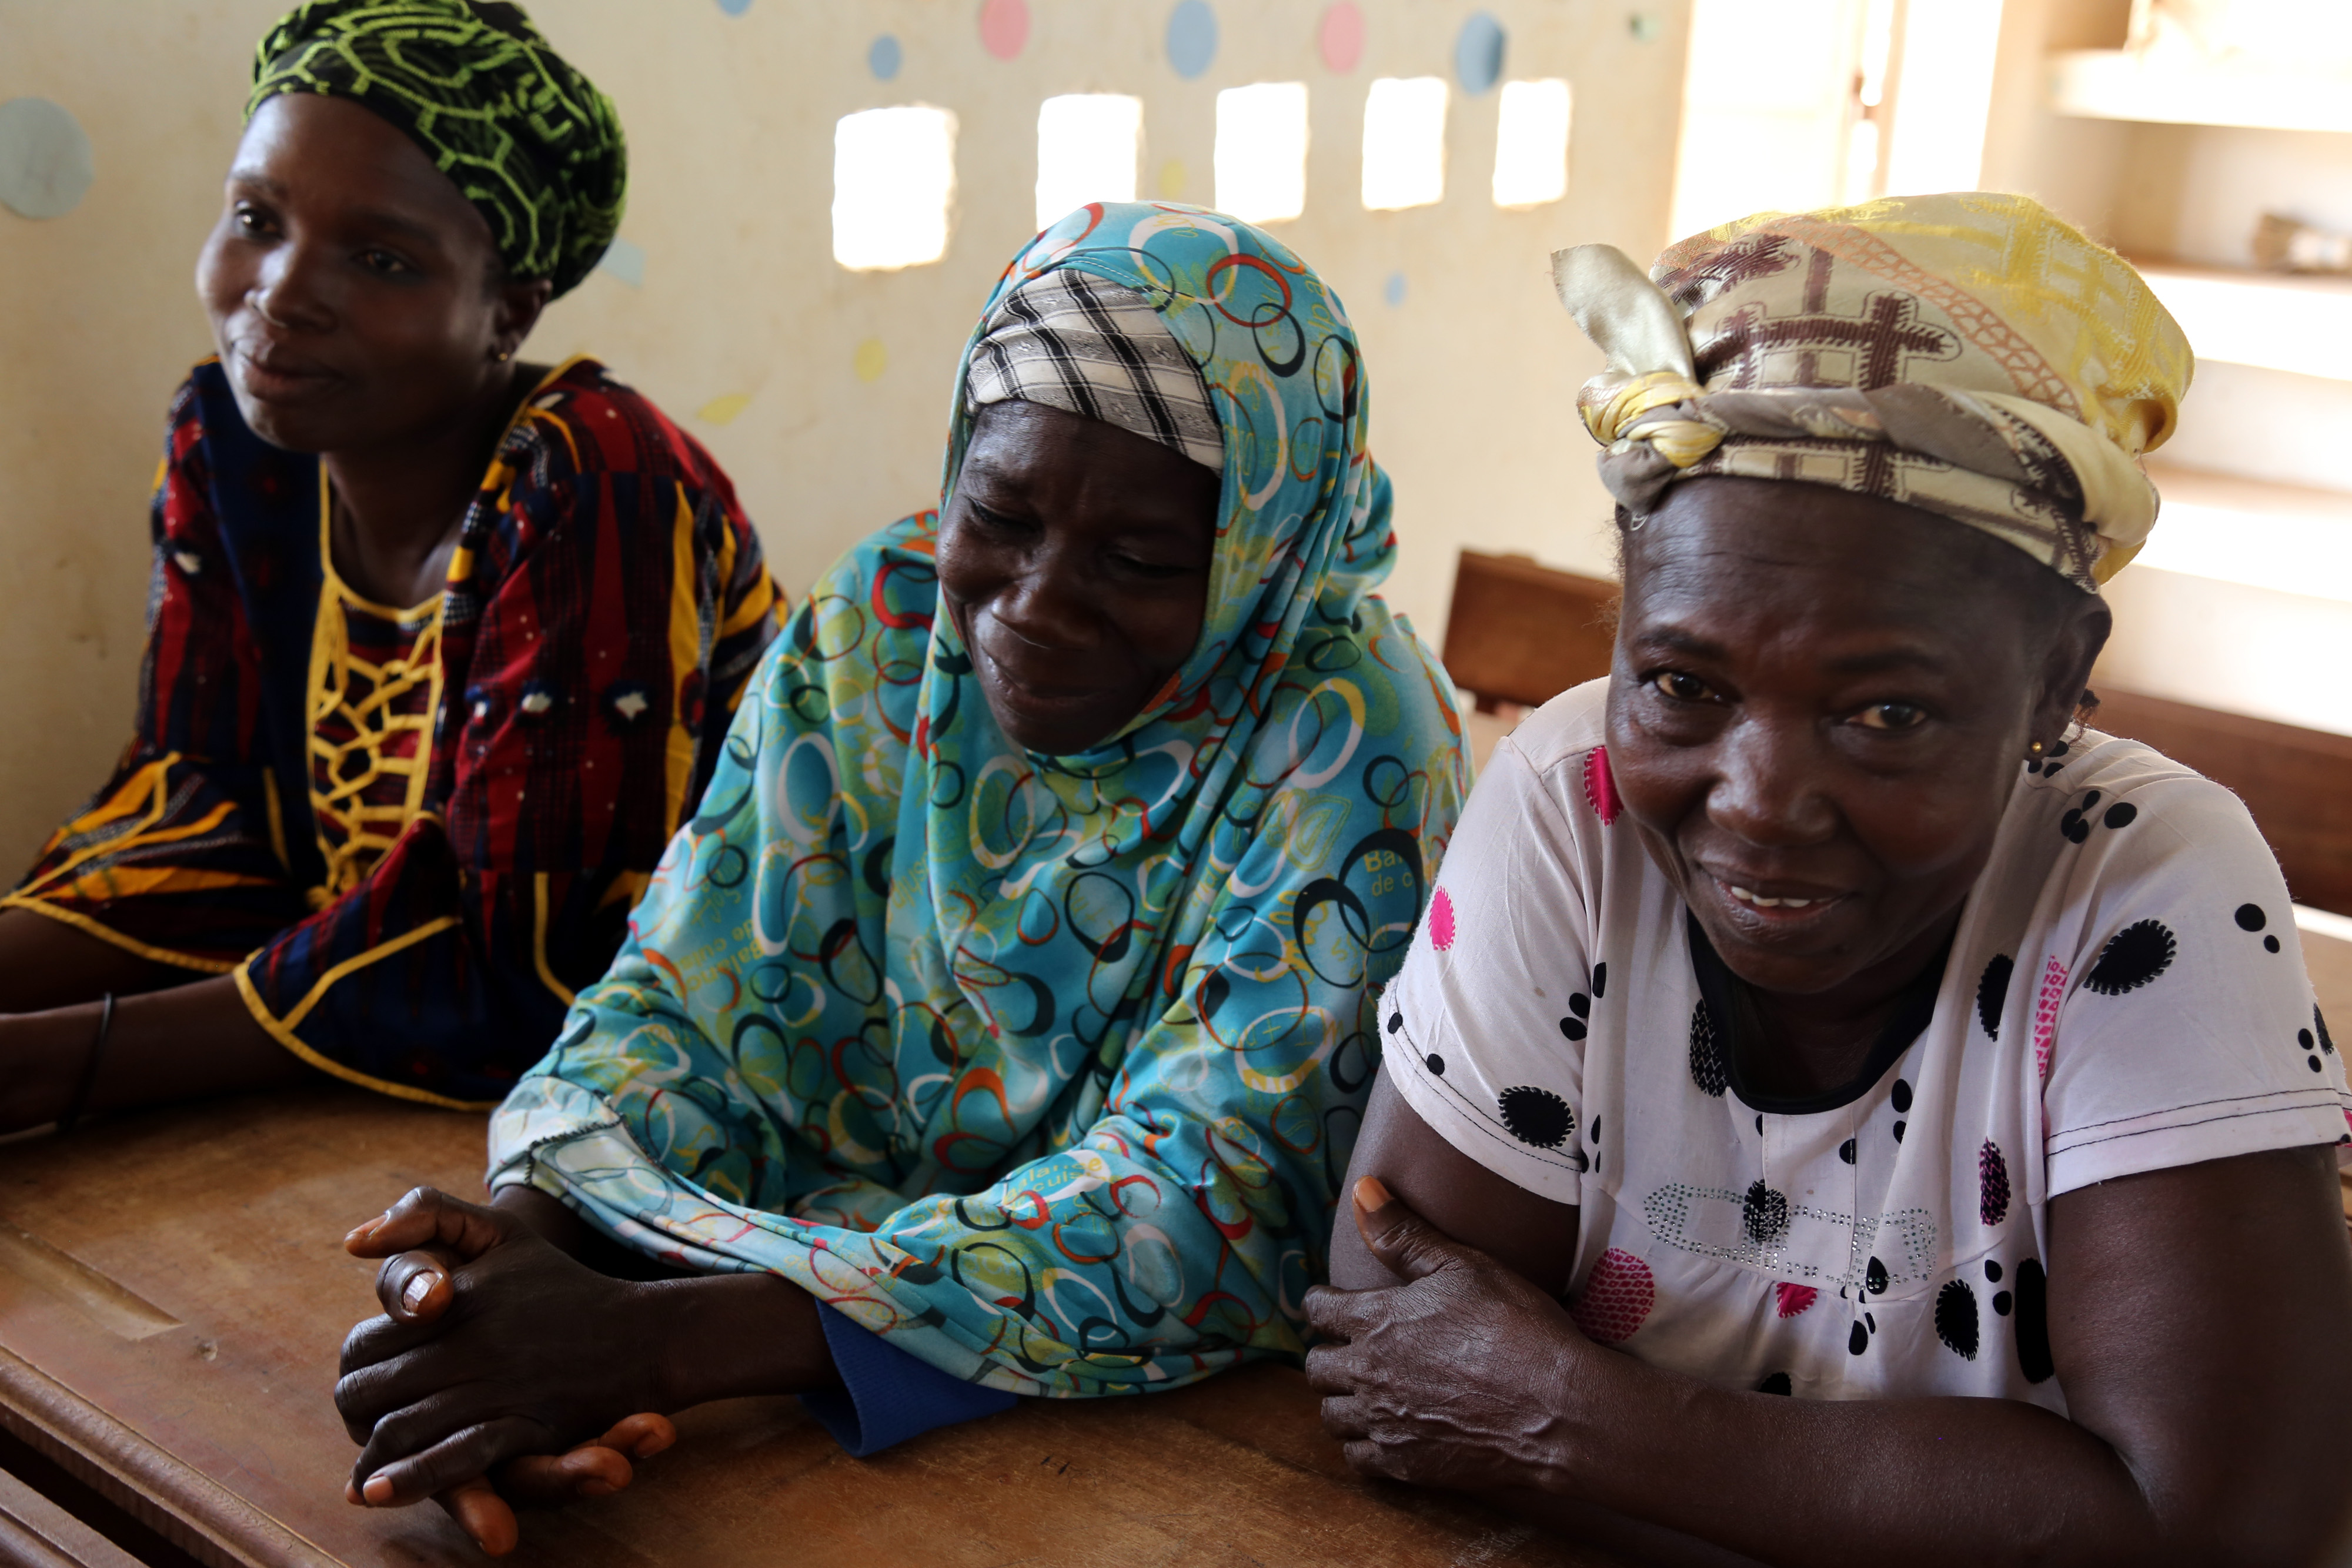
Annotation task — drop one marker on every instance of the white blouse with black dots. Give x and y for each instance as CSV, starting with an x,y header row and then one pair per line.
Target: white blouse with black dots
x,y
2126,992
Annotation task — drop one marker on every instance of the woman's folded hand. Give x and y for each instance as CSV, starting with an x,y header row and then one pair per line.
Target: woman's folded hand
x,y
1466,1376
498,1356
486,1512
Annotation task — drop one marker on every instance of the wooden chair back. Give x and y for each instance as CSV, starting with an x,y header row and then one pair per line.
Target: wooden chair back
x,y
2296,782
1523,633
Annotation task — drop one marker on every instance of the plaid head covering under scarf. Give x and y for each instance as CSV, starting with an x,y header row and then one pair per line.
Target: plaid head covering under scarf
x,y
1968,354
528,139
1095,349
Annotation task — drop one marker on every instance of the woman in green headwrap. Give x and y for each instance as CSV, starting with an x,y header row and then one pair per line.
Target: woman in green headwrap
x,y
444,643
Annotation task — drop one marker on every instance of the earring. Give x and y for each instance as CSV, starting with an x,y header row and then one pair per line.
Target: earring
x,y
2034,750
505,354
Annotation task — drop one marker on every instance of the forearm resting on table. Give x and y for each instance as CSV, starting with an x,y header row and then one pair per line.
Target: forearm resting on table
x,y
731,1335
2201,1414
45,963
1924,1481
166,1046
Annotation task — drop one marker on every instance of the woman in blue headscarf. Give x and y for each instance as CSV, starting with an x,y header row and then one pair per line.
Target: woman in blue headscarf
x,y
1001,1024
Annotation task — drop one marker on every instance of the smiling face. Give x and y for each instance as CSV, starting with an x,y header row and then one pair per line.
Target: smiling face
x,y
1818,709
1074,557
355,294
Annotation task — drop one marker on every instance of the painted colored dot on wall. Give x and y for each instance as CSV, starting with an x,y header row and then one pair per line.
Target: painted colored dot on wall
x,y
734,7
870,360
1191,37
1172,180
1394,289
723,409
1478,51
1645,27
1004,26
624,259
884,58
45,159
1341,37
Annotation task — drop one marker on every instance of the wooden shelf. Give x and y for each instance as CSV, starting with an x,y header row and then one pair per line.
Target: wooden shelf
x,y
2283,537
2278,321
2118,83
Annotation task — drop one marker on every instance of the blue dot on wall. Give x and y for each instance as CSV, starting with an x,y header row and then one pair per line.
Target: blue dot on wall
x,y
45,162
624,259
1191,37
1478,53
884,58
1394,290
734,7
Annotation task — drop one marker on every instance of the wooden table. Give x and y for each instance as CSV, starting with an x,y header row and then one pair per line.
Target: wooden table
x,y
172,1292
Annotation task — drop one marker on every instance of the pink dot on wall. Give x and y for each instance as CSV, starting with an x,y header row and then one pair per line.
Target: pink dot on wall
x,y
1341,37
1004,26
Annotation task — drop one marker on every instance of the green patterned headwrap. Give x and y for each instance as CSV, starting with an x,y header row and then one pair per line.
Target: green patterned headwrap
x,y
529,140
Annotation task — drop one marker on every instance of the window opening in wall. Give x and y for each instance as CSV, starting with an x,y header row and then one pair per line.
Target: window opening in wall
x,y
1088,145
1943,59
1404,143
1261,157
893,183
1531,143
1865,138
1767,104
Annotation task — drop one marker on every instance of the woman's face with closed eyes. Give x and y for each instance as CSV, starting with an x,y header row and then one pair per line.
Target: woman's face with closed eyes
x,y
1074,559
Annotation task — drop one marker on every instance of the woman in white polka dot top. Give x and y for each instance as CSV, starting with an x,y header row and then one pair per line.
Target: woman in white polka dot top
x,y
1838,1104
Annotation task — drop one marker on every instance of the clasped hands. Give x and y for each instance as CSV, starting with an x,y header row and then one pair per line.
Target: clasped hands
x,y
504,1370
497,1371
1464,1376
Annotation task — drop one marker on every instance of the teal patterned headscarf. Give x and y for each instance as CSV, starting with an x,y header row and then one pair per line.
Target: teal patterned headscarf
x,y
529,140
1048,1068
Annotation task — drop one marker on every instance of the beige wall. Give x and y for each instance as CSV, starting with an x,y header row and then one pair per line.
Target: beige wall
x,y
729,121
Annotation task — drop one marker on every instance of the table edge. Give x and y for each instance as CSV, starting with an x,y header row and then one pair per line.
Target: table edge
x,y
183,1504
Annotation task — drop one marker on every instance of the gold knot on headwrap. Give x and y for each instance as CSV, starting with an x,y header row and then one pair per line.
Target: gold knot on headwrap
x,y
1682,442
1969,354
1649,353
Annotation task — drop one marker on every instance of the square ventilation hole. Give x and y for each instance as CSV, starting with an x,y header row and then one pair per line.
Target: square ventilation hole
x,y
1404,143
893,183
1531,143
1262,151
1089,144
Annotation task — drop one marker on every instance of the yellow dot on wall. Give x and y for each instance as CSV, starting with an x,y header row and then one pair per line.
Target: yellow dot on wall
x,y
870,360
723,409
1172,180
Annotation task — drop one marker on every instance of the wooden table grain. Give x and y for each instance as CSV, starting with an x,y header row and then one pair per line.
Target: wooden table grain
x,y
172,1292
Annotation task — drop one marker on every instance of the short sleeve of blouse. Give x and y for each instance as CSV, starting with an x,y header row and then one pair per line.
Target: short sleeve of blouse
x,y
2181,1027
1482,1029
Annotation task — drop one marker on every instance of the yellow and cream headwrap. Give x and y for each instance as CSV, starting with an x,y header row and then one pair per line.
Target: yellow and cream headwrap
x,y
1969,354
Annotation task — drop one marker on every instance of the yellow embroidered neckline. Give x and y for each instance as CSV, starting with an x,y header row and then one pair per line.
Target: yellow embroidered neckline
x,y
369,698
370,830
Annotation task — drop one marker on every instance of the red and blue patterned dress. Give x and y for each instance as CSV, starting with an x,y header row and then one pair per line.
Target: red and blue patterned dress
x,y
412,833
